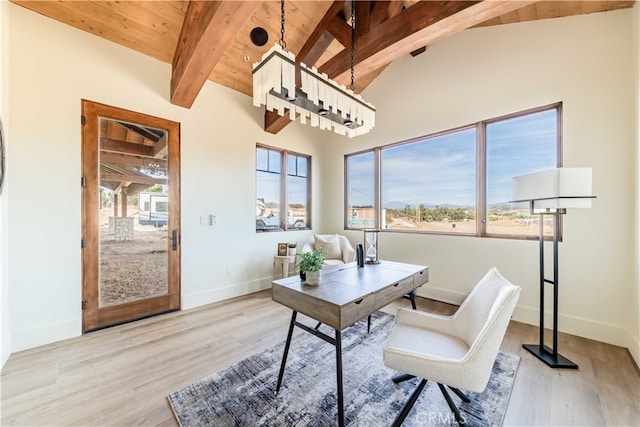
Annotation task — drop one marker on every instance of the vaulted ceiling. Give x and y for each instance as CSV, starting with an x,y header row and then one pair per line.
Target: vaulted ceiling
x,y
211,39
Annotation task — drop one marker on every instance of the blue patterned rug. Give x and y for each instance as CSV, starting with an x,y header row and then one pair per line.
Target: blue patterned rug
x,y
242,395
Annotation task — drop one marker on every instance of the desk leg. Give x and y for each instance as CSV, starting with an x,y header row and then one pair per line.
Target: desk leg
x,y
339,378
286,351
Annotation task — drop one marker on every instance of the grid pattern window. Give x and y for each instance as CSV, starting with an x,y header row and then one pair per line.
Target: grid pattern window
x,y
360,182
430,184
282,185
458,181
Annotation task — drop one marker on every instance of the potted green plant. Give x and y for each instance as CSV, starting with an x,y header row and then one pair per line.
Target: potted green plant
x,y
310,265
292,248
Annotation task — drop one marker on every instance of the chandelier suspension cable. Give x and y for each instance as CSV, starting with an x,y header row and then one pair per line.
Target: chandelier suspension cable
x,y
283,44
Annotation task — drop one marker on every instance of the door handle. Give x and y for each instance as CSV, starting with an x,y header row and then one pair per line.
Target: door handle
x,y
174,239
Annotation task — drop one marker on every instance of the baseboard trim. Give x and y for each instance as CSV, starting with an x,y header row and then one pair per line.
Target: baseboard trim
x,y
442,295
219,294
634,350
5,356
30,338
574,325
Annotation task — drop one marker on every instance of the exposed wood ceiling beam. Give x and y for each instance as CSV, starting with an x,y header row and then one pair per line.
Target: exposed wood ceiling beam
x,y
339,29
311,52
390,34
363,14
274,123
417,26
209,28
383,10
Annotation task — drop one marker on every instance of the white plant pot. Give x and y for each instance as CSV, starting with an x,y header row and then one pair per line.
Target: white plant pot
x,y
292,252
313,278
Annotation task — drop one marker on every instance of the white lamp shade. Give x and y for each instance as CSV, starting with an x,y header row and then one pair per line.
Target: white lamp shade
x,y
553,189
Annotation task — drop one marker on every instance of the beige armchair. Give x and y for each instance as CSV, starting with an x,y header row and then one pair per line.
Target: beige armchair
x,y
336,248
457,351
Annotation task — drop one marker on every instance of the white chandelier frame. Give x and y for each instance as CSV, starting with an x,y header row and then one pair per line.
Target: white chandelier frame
x,y
320,101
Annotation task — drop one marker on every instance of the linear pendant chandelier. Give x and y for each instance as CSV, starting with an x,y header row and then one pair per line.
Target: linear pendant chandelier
x,y
319,100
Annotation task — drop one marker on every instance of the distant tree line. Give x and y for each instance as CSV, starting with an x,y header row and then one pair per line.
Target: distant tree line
x,y
437,214
454,214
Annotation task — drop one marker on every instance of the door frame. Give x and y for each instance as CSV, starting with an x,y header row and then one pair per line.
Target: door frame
x,y
93,316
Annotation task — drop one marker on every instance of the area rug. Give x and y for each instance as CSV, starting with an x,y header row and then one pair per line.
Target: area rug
x,y
243,394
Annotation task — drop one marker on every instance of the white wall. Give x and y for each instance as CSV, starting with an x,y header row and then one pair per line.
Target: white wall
x,y
52,67
583,61
5,333
587,63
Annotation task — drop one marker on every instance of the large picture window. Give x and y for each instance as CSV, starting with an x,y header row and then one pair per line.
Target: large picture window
x,y
430,184
282,186
457,181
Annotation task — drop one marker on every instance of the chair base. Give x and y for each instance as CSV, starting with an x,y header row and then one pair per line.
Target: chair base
x,y
416,393
411,296
401,378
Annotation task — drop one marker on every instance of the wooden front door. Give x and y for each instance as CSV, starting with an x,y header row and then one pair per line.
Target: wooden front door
x,y
130,215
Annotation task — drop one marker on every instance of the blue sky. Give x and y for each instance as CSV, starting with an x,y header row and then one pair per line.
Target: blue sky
x,y
517,147
442,170
268,183
361,179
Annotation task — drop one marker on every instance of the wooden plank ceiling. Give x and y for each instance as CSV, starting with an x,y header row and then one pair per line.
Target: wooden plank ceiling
x,y
210,39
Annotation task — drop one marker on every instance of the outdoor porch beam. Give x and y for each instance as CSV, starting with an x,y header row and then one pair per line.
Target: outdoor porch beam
x,y
122,147
132,178
107,157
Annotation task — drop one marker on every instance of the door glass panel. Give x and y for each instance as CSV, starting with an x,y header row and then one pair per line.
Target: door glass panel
x,y
133,212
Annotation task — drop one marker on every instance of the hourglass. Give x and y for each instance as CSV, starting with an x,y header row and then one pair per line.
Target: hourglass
x,y
371,245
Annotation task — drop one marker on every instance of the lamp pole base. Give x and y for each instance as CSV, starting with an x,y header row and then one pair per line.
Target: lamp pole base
x,y
545,354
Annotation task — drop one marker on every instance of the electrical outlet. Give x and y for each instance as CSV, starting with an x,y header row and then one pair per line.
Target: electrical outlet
x,y
203,220
228,271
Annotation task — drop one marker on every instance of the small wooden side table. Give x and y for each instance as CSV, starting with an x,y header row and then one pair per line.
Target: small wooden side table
x,y
284,260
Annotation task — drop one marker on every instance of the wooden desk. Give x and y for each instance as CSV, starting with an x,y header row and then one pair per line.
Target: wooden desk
x,y
345,295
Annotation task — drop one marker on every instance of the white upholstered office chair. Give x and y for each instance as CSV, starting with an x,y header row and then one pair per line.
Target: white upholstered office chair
x,y
336,248
458,350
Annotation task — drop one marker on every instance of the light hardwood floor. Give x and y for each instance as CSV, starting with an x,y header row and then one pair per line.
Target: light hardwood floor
x,y
122,375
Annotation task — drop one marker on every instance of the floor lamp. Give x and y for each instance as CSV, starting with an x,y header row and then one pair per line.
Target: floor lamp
x,y
551,193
